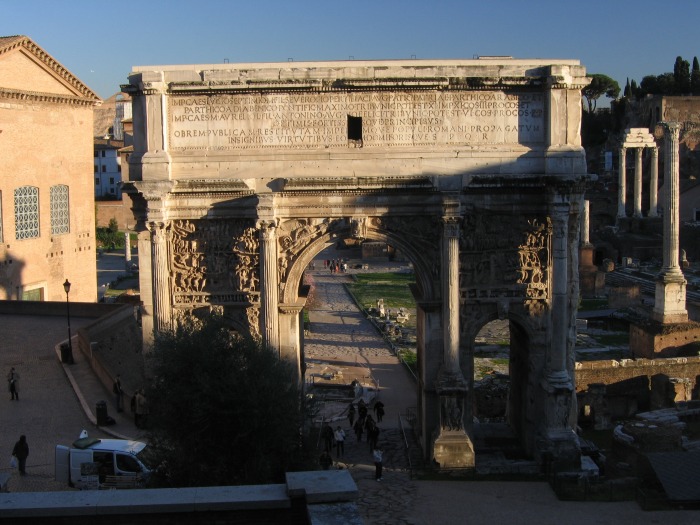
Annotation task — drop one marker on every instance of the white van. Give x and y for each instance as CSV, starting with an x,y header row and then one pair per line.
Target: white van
x,y
93,463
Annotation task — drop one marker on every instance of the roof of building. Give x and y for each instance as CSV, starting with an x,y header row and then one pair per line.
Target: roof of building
x,y
108,144
72,86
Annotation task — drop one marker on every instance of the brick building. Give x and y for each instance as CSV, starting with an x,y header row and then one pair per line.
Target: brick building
x,y
47,211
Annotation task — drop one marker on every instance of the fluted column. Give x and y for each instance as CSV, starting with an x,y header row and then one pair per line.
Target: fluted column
x,y
161,277
450,304
269,286
622,184
669,303
557,374
654,183
638,182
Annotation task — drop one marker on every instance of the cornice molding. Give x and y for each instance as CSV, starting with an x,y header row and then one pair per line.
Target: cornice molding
x,y
52,64
53,98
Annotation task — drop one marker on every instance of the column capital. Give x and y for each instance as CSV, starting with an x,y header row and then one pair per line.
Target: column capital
x,y
672,127
451,226
266,226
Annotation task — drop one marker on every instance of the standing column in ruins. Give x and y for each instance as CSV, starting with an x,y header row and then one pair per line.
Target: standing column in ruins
x,y
450,303
127,247
161,277
269,286
654,183
557,374
585,223
669,303
622,187
638,182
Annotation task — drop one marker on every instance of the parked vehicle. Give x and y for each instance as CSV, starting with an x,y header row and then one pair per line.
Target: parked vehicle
x,y
92,463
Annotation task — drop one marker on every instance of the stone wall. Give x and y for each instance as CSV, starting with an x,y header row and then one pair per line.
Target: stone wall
x,y
612,372
113,345
119,210
326,496
651,340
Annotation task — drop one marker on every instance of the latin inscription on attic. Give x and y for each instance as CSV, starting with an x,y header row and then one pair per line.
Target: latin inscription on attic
x,y
320,120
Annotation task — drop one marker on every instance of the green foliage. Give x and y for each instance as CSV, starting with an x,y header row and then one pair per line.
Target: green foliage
x,y
681,76
392,287
224,411
410,358
600,85
109,237
695,78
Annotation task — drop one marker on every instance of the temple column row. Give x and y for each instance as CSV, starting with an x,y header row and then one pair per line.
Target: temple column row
x,y
638,139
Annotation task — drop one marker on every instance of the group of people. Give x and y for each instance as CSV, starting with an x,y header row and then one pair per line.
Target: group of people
x,y
139,404
335,265
364,423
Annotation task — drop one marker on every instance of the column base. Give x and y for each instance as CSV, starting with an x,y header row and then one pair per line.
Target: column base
x,y
454,449
560,451
669,299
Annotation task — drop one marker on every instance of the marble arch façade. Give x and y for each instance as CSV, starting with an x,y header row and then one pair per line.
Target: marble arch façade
x,y
242,173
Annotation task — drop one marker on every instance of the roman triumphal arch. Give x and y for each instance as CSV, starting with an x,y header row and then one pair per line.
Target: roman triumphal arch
x,y
242,173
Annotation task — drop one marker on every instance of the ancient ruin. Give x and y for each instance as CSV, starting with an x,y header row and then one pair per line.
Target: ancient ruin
x,y
473,169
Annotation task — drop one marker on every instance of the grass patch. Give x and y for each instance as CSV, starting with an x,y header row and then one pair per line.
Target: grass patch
x,y
410,358
392,287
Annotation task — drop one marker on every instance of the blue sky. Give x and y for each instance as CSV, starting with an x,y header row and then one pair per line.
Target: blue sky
x,y
100,41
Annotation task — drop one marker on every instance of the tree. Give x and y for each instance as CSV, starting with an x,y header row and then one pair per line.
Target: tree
x,y
695,78
223,410
600,85
681,76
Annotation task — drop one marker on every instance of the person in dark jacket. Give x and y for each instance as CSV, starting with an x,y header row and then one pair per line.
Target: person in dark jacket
x,y
21,451
13,384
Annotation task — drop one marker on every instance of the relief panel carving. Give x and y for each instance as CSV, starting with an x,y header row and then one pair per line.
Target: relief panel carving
x,y
213,261
504,257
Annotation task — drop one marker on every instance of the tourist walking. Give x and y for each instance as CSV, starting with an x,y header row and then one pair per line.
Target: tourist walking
x,y
21,451
369,425
13,384
141,410
377,455
373,437
359,428
118,393
351,414
339,436
361,409
327,434
379,411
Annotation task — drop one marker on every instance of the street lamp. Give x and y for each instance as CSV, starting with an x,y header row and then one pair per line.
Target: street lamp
x,y
69,357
